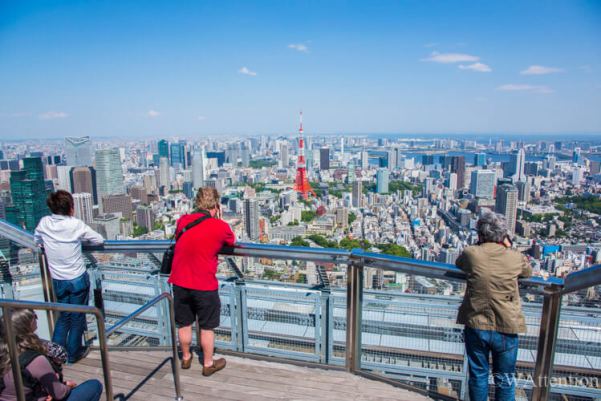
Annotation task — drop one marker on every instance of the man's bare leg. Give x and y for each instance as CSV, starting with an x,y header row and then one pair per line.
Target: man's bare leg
x,y
185,339
207,342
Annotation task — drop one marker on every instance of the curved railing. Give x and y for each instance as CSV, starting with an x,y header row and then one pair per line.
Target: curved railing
x,y
357,261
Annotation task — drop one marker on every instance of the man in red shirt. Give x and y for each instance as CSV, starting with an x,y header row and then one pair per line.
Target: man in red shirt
x,y
195,286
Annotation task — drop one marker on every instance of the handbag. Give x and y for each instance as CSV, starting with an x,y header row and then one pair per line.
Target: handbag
x,y
169,254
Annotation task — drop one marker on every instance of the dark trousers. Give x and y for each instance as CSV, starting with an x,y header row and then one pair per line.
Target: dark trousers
x,y
69,328
479,344
90,390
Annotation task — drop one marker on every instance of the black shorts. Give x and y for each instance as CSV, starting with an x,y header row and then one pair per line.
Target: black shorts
x,y
190,304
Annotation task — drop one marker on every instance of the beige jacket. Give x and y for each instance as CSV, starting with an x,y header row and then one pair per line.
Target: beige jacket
x,y
492,299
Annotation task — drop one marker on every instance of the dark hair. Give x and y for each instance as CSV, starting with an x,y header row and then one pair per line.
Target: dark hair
x,y
60,202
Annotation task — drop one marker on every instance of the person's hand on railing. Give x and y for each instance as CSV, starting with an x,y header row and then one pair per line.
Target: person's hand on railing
x,y
71,383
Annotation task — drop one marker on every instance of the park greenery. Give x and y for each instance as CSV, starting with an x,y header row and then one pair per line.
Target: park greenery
x,y
139,230
352,243
589,203
308,216
260,163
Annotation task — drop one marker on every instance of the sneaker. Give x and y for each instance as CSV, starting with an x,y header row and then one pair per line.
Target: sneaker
x,y
81,356
186,363
218,364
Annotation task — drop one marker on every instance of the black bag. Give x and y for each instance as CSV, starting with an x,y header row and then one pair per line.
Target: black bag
x,y
170,252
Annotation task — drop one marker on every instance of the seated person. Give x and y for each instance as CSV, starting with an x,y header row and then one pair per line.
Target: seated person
x,y
41,378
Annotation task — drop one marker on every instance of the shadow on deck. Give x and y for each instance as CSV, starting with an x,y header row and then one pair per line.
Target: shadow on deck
x,y
146,375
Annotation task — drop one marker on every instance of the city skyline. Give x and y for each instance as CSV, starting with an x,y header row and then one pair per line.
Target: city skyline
x,y
76,69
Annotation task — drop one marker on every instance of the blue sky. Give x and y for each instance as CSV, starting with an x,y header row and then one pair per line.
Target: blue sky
x,y
171,68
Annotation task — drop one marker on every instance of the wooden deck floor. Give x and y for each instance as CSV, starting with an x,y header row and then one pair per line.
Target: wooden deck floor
x,y
242,380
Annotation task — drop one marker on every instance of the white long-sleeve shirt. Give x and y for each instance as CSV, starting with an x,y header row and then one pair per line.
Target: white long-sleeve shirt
x,y
61,237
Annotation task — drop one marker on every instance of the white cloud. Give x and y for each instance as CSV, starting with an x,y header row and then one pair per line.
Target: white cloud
x,y
525,88
52,115
299,47
540,70
450,58
479,67
246,71
152,113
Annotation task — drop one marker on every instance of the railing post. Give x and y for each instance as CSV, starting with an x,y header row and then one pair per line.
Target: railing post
x,y
174,358
47,288
13,352
547,340
241,314
354,306
104,355
325,322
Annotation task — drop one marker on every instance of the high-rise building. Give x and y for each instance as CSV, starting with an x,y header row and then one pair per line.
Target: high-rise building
x,y
178,154
364,159
164,179
144,217
83,180
523,188
341,217
163,148
83,207
28,193
198,168
357,194
118,203
595,167
382,181
63,174
284,159
483,184
451,181
109,175
251,219
324,159
139,193
514,168
78,151
457,166
480,159
507,204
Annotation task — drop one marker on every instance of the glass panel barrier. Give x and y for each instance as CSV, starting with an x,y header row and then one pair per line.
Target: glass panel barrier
x,y
20,278
577,367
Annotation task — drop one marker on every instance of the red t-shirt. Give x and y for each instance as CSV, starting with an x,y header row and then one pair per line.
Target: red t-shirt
x,y
196,252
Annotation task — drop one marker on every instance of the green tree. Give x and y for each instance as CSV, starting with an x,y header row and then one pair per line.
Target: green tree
x,y
299,241
394,249
351,217
308,215
139,230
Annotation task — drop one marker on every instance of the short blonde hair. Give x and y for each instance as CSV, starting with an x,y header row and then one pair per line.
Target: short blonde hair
x,y
207,198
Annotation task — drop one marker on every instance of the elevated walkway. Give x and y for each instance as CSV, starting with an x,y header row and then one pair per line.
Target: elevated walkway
x,y
146,376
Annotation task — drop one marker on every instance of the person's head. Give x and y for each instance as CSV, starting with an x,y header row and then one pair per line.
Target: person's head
x,y
207,199
492,227
60,202
24,325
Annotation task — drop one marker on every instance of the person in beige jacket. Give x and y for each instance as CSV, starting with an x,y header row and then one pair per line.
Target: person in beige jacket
x,y
491,310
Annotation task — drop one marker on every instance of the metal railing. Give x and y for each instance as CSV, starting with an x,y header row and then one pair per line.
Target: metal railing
x,y
357,261
8,306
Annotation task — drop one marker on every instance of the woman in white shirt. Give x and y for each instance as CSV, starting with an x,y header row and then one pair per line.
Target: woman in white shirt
x,y
61,235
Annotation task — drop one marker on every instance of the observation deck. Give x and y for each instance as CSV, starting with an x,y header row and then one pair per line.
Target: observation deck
x,y
243,379
363,320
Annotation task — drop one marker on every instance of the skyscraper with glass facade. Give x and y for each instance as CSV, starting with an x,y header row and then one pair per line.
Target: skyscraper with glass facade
x,y
109,175
28,194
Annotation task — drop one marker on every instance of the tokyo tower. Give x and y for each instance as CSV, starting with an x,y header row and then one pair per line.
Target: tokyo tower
x,y
301,184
